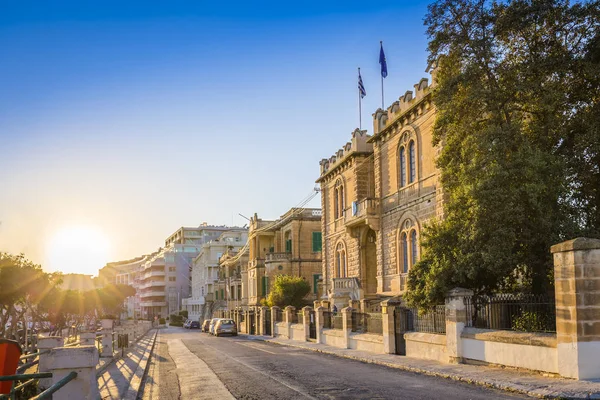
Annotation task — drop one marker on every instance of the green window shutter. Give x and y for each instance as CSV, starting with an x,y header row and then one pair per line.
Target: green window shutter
x,y
265,285
222,295
217,295
317,243
288,245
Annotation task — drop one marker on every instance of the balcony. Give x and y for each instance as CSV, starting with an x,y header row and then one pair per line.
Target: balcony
x,y
366,211
149,284
153,304
152,293
209,297
256,263
274,257
347,287
154,273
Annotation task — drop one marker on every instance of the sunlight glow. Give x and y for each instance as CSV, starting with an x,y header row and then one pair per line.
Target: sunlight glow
x,y
77,249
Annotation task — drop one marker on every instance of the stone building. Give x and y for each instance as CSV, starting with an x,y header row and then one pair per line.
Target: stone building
x,y
377,191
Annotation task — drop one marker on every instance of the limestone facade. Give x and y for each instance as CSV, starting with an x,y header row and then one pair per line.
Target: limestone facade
x,y
377,192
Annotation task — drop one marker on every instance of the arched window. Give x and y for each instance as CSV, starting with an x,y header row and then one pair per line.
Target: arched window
x,y
338,199
404,245
402,163
340,261
412,164
414,247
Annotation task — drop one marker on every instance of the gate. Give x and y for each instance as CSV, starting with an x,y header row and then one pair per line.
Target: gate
x,y
312,325
252,316
267,319
402,324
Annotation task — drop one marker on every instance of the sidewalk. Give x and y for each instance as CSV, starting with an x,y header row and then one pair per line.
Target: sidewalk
x,y
507,379
121,378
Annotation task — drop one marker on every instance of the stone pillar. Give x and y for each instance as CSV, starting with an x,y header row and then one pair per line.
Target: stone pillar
x,y
325,304
319,323
274,311
347,324
107,345
387,321
87,338
46,344
456,319
306,314
287,317
577,287
355,304
316,304
83,360
263,320
364,305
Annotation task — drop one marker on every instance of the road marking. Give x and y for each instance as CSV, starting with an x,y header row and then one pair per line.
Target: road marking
x,y
199,382
255,347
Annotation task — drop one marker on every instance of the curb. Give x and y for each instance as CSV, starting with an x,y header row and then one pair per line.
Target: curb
x,y
484,383
147,366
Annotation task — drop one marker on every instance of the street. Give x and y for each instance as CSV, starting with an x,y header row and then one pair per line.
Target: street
x,y
188,364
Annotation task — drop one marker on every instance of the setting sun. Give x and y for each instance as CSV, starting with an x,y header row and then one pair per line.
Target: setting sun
x,y
81,250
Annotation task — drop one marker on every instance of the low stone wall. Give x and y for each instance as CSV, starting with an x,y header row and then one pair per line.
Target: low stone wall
x,y
334,337
281,329
366,342
535,351
427,346
297,332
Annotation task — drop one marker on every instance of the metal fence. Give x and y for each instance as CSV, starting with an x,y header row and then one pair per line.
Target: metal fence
x,y
518,312
327,320
432,321
367,323
278,315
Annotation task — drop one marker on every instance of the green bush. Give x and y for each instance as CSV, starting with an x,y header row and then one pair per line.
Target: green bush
x,y
288,291
530,322
184,313
162,321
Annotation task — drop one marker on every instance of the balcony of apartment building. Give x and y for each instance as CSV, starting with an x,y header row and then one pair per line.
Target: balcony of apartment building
x,y
363,212
154,272
153,283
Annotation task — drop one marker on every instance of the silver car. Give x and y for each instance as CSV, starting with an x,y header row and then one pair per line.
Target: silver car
x,y
211,327
225,326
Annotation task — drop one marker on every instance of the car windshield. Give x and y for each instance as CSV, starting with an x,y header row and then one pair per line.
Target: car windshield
x,y
227,322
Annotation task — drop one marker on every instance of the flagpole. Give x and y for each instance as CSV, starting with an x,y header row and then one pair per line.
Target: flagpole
x,y
359,106
382,102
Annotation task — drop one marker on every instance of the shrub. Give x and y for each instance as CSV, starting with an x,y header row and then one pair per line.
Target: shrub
x,y
288,291
530,322
184,313
162,321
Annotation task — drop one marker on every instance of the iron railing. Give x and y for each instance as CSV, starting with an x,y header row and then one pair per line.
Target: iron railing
x,y
278,315
367,323
327,320
517,312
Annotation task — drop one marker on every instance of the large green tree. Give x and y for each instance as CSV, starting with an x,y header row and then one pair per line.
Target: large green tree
x,y
288,291
517,99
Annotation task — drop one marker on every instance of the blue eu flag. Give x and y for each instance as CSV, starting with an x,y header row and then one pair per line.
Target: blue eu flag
x,y
382,61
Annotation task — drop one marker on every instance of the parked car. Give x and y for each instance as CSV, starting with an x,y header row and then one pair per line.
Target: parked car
x,y
211,327
225,327
186,324
205,325
194,325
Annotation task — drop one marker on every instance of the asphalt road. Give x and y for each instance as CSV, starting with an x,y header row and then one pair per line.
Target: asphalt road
x,y
194,365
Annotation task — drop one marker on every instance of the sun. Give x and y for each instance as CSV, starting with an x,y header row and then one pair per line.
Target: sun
x,y
78,249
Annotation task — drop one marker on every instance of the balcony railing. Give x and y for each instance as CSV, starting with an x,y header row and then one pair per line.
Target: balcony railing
x,y
153,303
153,293
149,274
209,297
278,257
257,262
362,209
339,284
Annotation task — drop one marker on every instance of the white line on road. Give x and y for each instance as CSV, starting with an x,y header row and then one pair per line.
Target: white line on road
x,y
197,381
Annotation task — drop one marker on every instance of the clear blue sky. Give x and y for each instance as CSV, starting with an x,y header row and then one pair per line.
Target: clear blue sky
x,y
134,118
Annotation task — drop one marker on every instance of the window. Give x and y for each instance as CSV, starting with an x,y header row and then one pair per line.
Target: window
x,y
172,279
316,278
402,162
222,294
404,243
412,164
339,199
172,269
414,247
317,242
340,256
288,246
265,285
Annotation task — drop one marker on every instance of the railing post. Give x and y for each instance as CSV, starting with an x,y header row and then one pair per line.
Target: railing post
x,y
388,325
274,311
107,325
577,288
319,323
306,312
347,324
289,310
46,344
87,338
456,319
83,360
263,320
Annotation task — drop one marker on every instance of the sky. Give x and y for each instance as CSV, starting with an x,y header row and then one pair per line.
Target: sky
x,y
122,121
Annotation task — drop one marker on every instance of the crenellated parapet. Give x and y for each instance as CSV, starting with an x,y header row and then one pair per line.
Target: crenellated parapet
x,y
410,105
359,144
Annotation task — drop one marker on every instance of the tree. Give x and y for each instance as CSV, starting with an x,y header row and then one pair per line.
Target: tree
x,y
517,84
288,291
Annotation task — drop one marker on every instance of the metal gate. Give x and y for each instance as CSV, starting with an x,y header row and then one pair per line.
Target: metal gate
x,y
267,319
252,316
402,324
312,325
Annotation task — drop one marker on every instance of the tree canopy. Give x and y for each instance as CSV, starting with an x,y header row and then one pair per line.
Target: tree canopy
x,y
518,122
288,291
